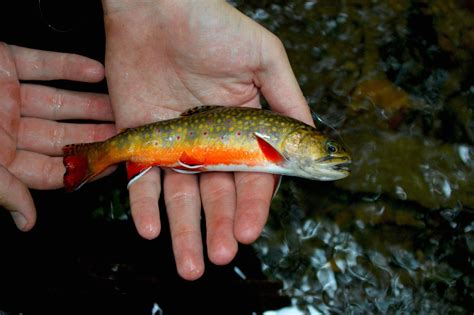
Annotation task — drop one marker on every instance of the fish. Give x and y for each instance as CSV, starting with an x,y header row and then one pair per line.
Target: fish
x,y
213,138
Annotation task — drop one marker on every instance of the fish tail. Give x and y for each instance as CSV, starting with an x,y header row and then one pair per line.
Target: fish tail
x,y
79,160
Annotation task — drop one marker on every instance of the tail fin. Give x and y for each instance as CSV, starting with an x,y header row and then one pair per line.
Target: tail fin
x,y
76,161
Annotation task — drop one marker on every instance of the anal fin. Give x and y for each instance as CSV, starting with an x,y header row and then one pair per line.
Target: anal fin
x,y
188,162
188,165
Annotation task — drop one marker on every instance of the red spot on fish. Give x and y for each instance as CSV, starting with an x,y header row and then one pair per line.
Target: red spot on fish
x,y
238,133
205,133
178,137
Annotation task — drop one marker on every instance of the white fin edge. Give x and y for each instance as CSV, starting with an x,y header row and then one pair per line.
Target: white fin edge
x,y
134,179
277,186
192,167
177,170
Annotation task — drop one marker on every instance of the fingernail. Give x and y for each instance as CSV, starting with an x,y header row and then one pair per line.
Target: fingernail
x,y
19,220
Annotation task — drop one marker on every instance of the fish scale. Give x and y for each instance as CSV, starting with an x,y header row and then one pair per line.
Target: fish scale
x,y
213,138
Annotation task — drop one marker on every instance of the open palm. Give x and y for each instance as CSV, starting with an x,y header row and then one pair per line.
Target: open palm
x,y
165,57
31,137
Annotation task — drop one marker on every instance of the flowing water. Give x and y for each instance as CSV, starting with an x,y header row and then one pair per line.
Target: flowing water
x,y
395,79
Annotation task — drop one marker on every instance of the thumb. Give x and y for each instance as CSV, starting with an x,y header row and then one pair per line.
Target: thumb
x,y
16,198
278,83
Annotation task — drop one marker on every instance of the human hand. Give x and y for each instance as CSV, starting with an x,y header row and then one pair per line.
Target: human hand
x,y
30,138
163,57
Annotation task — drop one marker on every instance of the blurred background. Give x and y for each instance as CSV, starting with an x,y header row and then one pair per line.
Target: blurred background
x,y
393,79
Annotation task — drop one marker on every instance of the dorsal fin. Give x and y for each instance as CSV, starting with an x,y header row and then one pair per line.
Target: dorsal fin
x,y
199,109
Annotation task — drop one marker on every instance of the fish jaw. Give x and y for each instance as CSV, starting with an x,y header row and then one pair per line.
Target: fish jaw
x,y
330,169
326,173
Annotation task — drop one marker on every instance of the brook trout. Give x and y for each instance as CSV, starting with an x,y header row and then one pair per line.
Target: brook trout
x,y
213,138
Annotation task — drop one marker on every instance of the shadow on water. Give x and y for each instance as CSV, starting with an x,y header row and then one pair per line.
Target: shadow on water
x,y
395,79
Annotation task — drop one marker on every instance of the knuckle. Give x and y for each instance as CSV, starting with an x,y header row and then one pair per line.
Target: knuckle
x,y
144,202
180,199
57,137
57,103
184,232
47,180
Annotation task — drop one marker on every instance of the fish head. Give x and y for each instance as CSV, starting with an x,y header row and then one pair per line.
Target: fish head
x,y
314,155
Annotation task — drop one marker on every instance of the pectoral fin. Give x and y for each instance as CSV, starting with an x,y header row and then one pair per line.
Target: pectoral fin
x,y
135,171
268,150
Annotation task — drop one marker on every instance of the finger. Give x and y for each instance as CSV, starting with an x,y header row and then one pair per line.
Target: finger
x,y
16,198
49,137
144,196
39,171
183,206
9,91
254,194
33,64
57,104
278,84
219,202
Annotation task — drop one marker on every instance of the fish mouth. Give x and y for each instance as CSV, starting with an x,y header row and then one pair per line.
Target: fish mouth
x,y
326,168
337,163
342,167
335,168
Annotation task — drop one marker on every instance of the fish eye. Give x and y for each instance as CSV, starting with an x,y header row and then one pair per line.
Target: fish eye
x,y
331,147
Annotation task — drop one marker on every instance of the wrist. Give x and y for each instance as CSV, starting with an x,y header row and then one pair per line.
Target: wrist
x,y
111,6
